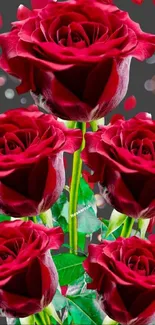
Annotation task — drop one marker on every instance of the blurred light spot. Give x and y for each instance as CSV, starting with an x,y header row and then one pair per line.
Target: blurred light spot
x,y
130,103
2,81
9,93
99,237
23,100
100,203
151,60
149,85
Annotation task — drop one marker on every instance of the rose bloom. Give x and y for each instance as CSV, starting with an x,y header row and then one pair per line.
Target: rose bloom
x,y
32,174
28,277
122,156
123,273
74,56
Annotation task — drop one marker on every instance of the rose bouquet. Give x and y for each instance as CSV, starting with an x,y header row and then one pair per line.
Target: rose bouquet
x,y
61,260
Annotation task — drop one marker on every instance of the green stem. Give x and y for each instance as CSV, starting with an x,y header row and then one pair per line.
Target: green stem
x,y
50,311
94,126
24,218
74,188
34,219
127,227
46,218
71,124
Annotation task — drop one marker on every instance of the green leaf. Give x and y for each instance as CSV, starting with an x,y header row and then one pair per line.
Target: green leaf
x,y
104,228
4,218
67,319
85,310
81,241
16,321
59,301
69,267
88,221
60,212
77,287
85,195
58,206
116,220
142,226
87,210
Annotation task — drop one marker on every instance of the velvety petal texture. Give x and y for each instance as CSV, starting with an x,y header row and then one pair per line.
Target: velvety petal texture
x,y
28,276
32,174
122,156
123,273
74,55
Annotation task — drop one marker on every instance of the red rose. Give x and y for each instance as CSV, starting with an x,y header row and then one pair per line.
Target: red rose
x,y
36,4
28,277
122,155
150,228
74,56
32,174
123,274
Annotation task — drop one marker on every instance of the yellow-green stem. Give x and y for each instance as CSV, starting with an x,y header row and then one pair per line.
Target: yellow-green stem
x,y
74,188
109,321
71,124
46,218
94,126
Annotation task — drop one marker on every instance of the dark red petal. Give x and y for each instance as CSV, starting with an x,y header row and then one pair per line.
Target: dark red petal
x,y
18,306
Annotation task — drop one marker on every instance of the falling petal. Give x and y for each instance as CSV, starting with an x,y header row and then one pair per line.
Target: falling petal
x,y
138,2
130,103
1,21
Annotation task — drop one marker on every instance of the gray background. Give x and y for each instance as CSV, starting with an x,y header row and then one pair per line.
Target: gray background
x,y
140,71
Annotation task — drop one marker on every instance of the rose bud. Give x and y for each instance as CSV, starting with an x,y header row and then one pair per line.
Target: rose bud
x,y
122,156
32,174
28,277
123,273
74,56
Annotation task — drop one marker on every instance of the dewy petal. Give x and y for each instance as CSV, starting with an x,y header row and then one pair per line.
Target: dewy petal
x,y
23,12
